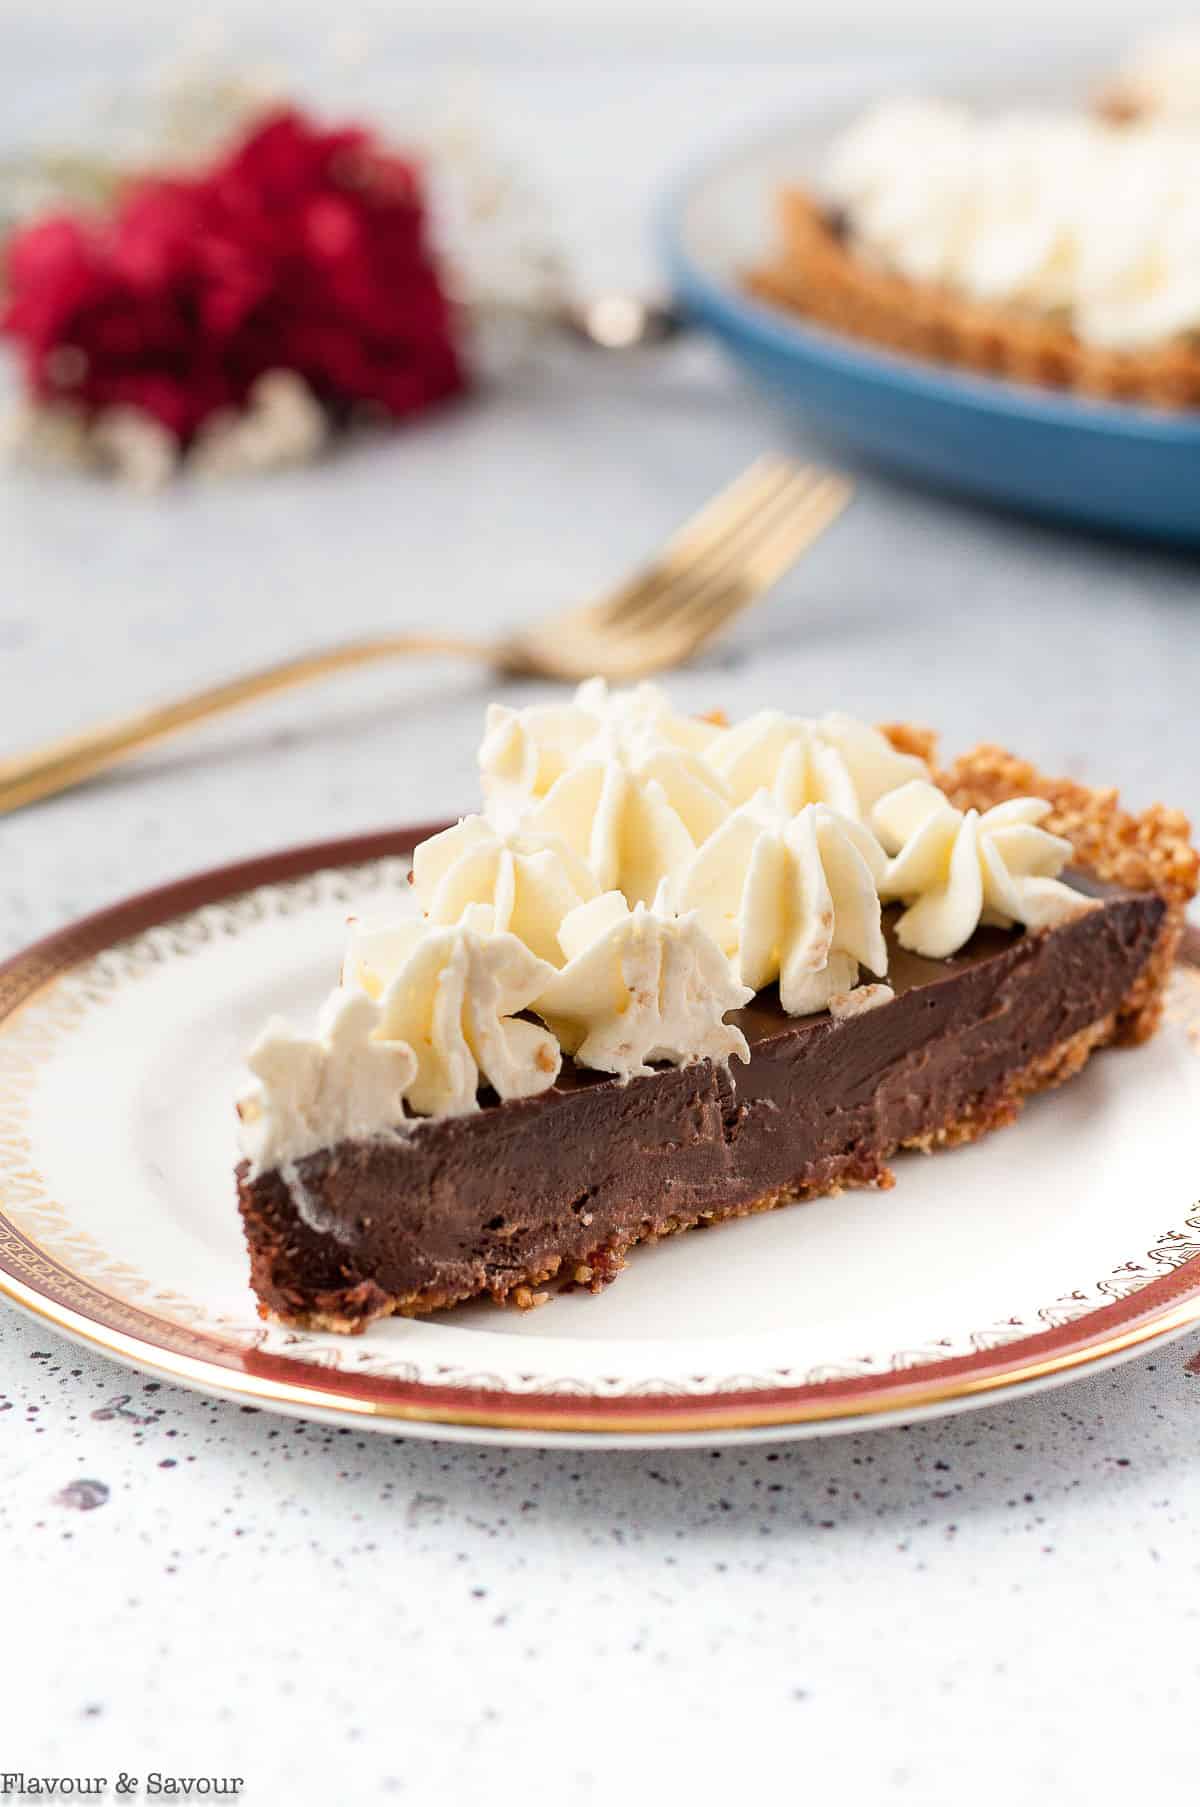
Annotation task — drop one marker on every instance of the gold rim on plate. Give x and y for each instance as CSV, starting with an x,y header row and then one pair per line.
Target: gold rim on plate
x,y
36,1278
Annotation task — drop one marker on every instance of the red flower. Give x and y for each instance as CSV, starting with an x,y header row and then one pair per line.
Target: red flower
x,y
300,250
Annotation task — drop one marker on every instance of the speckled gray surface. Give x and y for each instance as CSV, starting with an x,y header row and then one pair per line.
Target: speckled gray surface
x,y
1000,1606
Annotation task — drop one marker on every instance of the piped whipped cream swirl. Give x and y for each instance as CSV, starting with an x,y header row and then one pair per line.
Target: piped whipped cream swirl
x,y
641,985
1052,213
791,898
525,751
874,764
784,755
956,870
634,809
453,994
529,880
836,760
312,1091
424,1016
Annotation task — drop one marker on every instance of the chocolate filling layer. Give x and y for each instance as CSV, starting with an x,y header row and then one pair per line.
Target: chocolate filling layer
x,y
564,1183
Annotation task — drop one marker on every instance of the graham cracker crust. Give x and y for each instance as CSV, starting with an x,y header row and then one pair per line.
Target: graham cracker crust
x,y
349,1312
1151,851
815,272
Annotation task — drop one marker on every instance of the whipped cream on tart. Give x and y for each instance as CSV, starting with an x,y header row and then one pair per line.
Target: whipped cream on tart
x,y
344,1082
524,751
423,1018
630,968
633,808
1058,247
956,870
836,760
640,987
791,900
529,879
454,995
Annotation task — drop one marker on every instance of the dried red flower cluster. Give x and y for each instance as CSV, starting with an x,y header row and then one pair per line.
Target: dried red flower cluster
x,y
301,250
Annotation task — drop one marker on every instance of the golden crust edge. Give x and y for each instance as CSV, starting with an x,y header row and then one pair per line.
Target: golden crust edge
x,y
995,1111
815,274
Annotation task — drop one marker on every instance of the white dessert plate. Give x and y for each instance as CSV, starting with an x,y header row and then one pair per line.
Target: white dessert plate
x,y
1053,1248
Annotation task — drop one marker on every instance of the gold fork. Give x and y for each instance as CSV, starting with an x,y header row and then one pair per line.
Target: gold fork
x,y
703,578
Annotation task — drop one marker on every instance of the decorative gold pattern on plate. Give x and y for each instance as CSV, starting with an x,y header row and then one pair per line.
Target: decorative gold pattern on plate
x,y
38,1009
46,995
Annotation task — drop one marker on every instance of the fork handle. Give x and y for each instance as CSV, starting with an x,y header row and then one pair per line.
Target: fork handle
x,y
57,765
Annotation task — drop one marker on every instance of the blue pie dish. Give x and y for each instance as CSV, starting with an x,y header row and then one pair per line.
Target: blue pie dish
x,y
1114,466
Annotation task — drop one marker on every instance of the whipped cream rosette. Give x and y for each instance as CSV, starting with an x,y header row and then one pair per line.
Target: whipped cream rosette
x,y
956,870
785,755
874,764
641,985
634,809
791,898
312,1091
837,760
525,751
452,994
529,880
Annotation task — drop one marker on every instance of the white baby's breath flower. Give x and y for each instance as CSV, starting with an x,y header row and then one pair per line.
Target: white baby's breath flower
x,y
137,448
45,433
282,423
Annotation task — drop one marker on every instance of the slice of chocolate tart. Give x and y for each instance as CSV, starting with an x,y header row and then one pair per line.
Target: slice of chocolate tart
x,y
557,1185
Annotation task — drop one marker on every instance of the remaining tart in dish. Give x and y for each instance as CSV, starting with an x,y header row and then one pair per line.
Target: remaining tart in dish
x,y
1159,78
680,972
1056,249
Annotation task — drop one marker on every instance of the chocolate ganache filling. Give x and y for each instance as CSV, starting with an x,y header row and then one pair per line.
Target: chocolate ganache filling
x,y
560,1184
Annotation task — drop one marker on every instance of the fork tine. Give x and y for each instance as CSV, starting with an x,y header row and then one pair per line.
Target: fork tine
x,y
713,568
776,549
807,497
699,537
707,603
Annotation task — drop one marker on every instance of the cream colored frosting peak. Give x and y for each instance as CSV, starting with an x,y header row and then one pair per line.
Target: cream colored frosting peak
x,y
782,754
791,898
525,751
311,1091
837,760
874,764
453,994
530,880
955,871
634,813
643,712
641,986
